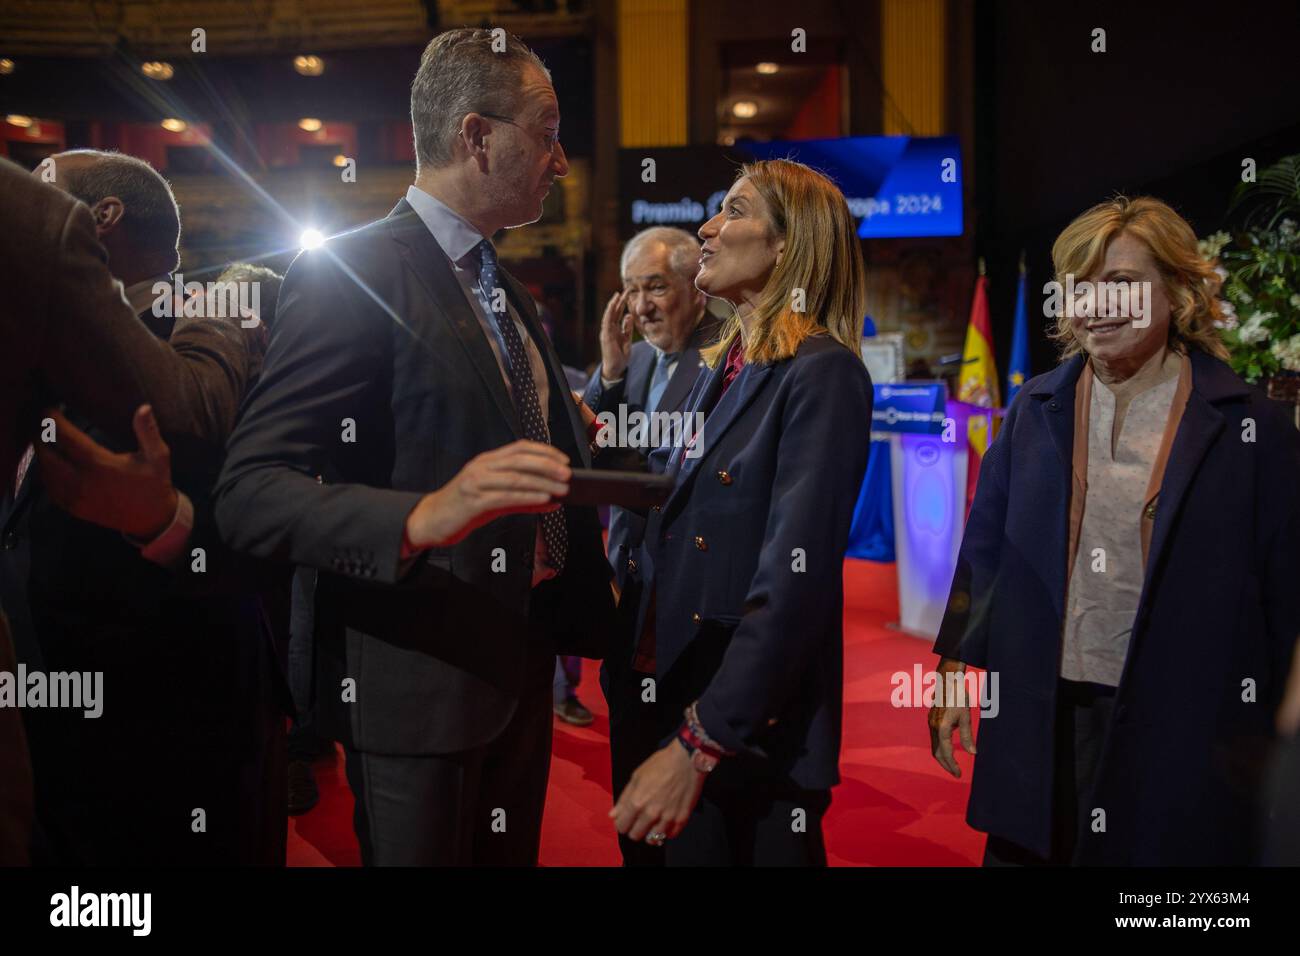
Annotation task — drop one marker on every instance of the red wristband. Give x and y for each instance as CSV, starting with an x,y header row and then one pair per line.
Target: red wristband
x,y
694,742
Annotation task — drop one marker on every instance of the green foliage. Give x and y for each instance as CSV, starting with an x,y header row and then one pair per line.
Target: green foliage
x,y
1262,281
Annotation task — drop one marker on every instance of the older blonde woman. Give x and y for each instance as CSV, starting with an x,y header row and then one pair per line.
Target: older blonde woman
x,y
1130,569
741,603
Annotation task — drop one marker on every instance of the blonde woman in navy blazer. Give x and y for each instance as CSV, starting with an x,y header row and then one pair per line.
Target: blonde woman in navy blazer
x,y
741,597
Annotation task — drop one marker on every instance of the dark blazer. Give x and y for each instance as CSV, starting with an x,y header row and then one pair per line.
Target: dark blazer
x,y
69,335
374,328
746,560
1179,775
626,528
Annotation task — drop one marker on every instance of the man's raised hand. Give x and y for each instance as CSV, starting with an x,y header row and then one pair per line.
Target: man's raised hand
x,y
615,337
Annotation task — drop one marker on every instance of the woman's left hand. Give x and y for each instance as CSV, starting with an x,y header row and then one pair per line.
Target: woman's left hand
x,y
660,796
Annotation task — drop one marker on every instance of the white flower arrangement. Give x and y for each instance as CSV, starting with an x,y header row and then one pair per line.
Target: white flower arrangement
x,y
1287,353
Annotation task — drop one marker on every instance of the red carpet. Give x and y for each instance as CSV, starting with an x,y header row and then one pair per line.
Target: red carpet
x,y
895,806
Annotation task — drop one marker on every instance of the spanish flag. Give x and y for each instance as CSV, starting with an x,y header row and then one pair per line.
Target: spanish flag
x,y
978,384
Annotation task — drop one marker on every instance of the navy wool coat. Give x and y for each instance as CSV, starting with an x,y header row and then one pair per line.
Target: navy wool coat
x,y
1179,774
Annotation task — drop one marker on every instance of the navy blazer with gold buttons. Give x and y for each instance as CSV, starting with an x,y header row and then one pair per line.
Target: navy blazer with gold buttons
x,y
744,561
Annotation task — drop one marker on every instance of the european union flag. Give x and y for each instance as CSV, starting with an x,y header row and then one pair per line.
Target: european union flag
x,y
1018,367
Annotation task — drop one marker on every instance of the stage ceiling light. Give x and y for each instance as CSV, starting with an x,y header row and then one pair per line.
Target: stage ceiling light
x,y
745,109
309,124
310,239
157,70
173,125
767,67
6,66
17,119
309,65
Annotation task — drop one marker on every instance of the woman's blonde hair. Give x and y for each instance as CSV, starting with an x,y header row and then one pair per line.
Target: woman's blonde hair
x,y
1190,282
822,257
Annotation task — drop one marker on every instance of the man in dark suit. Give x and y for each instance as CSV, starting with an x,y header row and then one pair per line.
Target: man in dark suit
x,y
69,334
404,359
652,375
170,629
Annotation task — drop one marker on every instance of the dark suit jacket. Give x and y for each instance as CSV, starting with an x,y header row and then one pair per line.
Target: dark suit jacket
x,y
1179,775
69,335
374,328
627,528
747,556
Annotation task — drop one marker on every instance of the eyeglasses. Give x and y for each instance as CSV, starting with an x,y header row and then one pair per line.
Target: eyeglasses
x,y
550,140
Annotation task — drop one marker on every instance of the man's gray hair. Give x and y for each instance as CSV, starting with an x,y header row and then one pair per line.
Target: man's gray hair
x,y
268,280
460,73
683,249
150,217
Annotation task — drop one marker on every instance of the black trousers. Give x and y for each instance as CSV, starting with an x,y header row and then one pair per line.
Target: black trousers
x,y
479,807
763,823
1083,714
635,729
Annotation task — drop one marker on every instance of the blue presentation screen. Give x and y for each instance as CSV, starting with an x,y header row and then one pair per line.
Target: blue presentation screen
x,y
895,185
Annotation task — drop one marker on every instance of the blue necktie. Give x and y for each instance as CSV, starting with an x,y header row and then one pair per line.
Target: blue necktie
x,y
659,381
524,389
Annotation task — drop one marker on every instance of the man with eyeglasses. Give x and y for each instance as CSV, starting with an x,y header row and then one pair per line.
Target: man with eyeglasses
x,y
409,371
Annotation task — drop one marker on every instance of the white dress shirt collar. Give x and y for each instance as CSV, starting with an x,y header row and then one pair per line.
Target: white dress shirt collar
x,y
454,235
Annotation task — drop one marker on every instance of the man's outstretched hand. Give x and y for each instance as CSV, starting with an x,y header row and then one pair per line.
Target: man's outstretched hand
x,y
519,478
129,491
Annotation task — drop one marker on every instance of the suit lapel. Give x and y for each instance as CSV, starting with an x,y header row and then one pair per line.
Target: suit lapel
x,y
430,265
690,366
1200,426
738,397
1212,382
558,384
679,386
640,369
1056,404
